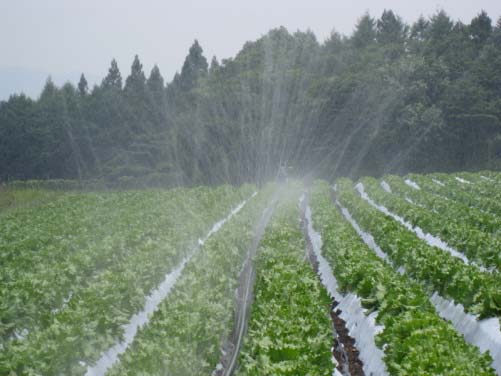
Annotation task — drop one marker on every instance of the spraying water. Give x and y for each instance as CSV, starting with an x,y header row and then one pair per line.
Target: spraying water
x,y
141,318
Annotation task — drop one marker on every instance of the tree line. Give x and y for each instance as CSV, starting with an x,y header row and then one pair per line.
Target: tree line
x,y
391,97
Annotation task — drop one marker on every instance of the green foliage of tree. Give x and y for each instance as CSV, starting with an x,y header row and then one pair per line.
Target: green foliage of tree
x,y
83,87
365,31
135,84
113,79
194,68
390,28
481,28
390,98
214,65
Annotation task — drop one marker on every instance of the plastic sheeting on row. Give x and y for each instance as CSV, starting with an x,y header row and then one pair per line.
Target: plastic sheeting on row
x,y
360,326
386,186
412,184
138,320
438,182
430,239
366,237
486,178
486,334
461,180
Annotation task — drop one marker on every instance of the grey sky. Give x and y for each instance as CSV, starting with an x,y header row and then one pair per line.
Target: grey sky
x,y
66,37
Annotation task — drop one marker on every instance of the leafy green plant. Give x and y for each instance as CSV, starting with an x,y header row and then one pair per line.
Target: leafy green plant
x,y
290,332
436,269
416,341
68,287
428,212
185,334
447,187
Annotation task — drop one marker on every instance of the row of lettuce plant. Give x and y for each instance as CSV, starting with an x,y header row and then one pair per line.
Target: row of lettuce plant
x,y
185,335
46,251
485,183
290,331
460,213
483,177
450,192
50,252
155,233
153,180
479,247
474,184
479,292
416,341
16,199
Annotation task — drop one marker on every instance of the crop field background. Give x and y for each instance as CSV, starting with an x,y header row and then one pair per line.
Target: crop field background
x,y
396,276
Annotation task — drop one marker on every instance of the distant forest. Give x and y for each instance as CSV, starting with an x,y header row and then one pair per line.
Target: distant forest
x,y
390,98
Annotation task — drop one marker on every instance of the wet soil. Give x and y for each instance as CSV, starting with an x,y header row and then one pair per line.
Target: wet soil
x,y
344,349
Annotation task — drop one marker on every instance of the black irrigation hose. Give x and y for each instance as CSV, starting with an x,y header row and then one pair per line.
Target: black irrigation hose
x,y
245,293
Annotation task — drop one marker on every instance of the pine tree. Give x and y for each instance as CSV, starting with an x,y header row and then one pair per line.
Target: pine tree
x,y
496,34
365,31
195,66
391,28
481,28
440,26
49,89
136,81
214,65
438,34
113,79
173,89
21,142
137,99
83,87
155,83
157,98
419,29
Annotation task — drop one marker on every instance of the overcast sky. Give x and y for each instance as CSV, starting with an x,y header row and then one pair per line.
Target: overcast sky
x,y
65,37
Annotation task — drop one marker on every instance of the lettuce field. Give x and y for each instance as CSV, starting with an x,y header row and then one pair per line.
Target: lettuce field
x,y
390,276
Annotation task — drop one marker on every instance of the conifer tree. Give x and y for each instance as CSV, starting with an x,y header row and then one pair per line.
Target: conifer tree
x,y
195,66
136,81
155,83
113,79
49,89
214,65
496,34
390,28
365,31
440,26
83,87
419,29
157,97
481,28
